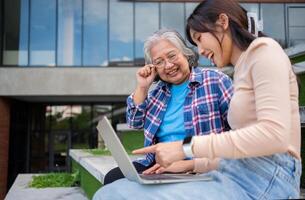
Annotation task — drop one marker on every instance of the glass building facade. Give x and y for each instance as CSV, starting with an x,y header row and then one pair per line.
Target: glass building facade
x,y
85,33
93,33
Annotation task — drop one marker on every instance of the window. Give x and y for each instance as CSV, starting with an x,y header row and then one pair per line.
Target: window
x,y
42,32
15,45
69,32
146,23
172,16
121,51
251,7
296,25
95,49
273,19
189,7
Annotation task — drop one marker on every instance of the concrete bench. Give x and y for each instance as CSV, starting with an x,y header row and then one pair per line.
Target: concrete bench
x,y
20,190
97,166
124,127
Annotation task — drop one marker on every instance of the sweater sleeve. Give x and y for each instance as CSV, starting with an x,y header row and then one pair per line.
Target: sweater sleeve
x,y
270,133
135,114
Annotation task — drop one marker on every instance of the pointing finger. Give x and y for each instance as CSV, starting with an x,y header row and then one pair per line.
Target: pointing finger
x,y
150,149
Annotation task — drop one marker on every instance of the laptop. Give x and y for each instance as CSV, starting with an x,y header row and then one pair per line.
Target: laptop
x,y
125,164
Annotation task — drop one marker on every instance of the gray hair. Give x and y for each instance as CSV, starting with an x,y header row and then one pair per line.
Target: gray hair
x,y
176,39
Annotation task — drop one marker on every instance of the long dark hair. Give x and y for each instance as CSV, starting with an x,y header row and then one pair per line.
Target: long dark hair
x,y
206,14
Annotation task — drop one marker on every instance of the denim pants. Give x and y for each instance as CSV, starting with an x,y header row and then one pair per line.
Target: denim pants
x,y
269,177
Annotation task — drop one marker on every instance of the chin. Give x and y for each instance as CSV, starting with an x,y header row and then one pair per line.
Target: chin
x,y
220,65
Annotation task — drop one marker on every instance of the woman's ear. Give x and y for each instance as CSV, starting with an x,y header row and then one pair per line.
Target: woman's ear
x,y
223,21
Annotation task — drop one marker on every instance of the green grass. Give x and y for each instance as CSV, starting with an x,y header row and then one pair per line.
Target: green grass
x,y
298,59
131,140
55,180
87,182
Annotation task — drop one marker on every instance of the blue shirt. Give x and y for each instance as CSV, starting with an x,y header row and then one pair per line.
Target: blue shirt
x,y
204,110
172,126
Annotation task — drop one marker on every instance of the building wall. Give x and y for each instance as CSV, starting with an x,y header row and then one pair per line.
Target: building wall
x,y
4,141
67,81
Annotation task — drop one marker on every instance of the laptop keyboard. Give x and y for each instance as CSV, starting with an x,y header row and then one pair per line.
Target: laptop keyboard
x,y
165,176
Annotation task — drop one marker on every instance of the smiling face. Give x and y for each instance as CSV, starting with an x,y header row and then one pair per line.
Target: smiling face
x,y
217,49
218,46
172,66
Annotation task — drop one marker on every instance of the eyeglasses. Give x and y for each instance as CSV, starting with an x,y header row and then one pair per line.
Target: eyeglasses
x,y
161,63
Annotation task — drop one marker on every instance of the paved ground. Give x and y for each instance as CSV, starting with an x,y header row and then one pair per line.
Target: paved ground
x,y
21,191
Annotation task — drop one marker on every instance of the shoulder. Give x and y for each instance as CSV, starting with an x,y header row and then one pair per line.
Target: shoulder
x,y
264,45
212,78
211,73
265,53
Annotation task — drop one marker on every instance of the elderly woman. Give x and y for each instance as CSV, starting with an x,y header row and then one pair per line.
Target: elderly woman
x,y
186,101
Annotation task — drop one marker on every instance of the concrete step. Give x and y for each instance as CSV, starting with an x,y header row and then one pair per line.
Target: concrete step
x,y
20,191
97,166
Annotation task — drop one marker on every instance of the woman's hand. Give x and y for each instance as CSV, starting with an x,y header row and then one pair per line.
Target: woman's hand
x,y
146,75
176,167
166,153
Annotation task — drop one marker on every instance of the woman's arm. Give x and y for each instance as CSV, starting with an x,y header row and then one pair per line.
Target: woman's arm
x,y
135,114
271,132
137,101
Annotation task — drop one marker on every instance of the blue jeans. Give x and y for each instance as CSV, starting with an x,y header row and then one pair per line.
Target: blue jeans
x,y
269,177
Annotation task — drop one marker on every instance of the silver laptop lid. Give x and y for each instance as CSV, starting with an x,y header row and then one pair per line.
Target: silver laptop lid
x,y
117,150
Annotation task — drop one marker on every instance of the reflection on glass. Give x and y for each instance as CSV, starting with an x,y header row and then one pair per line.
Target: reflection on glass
x,y
296,35
81,117
42,32
273,18
80,139
251,7
296,23
61,143
81,126
146,23
296,16
59,116
172,16
121,33
69,32
95,33
24,32
189,7
15,40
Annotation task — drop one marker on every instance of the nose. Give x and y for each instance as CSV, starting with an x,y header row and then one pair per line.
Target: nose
x,y
168,64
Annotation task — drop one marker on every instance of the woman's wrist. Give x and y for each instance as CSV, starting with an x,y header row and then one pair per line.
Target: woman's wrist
x,y
203,165
140,94
192,165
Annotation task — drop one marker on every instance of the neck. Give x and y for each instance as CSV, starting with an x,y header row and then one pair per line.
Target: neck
x,y
236,52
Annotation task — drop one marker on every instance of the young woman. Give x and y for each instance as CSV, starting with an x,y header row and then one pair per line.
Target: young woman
x,y
261,155
186,101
